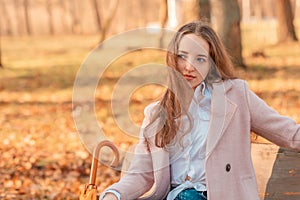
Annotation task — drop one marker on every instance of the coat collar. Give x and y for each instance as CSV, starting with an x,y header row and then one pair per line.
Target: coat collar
x,y
222,110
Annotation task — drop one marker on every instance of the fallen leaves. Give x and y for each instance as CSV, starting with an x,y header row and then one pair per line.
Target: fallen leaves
x,y
41,154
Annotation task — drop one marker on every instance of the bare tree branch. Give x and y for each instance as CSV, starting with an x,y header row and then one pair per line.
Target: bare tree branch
x,y
108,20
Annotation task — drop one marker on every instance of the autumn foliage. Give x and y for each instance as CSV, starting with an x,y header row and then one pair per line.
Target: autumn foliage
x,y
42,156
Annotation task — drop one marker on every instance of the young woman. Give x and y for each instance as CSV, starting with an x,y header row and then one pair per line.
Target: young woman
x,y
195,142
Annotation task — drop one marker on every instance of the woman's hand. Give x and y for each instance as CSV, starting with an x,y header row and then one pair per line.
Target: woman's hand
x,y
110,196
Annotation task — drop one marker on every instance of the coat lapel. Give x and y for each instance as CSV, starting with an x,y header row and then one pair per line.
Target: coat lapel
x,y
222,111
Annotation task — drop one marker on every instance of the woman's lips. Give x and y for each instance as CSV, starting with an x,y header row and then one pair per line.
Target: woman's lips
x,y
188,77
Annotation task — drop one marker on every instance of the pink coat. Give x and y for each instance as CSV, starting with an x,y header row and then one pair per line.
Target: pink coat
x,y
229,171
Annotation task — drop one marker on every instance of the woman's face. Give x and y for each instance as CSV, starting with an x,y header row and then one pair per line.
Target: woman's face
x,y
193,59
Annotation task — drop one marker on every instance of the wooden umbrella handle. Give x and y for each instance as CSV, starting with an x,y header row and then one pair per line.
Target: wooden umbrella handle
x,y
95,159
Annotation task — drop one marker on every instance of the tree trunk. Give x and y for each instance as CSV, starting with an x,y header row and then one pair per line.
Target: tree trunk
x,y
293,8
172,13
258,13
97,13
5,16
268,9
285,26
63,14
75,25
108,20
50,16
246,10
27,20
142,7
1,66
19,18
227,21
163,18
204,10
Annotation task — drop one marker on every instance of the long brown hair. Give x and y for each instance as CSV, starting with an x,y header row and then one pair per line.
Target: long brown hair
x,y
172,105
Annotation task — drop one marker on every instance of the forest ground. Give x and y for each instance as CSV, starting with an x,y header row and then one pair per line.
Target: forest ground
x,y
42,156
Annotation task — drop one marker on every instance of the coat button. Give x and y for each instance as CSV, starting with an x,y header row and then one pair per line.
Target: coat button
x,y
228,167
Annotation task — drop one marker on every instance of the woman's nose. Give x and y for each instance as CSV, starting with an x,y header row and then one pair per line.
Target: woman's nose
x,y
189,66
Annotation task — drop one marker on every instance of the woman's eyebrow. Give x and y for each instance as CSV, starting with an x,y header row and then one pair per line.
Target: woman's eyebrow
x,y
202,55
185,52
182,51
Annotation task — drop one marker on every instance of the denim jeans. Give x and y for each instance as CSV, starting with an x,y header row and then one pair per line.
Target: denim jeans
x,y
190,194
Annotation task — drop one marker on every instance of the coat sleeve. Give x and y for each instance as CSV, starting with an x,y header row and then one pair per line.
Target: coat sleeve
x,y
139,178
269,124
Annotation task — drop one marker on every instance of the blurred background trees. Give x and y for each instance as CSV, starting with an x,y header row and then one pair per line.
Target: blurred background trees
x,y
56,17
38,17
204,10
227,24
285,13
163,19
1,66
27,17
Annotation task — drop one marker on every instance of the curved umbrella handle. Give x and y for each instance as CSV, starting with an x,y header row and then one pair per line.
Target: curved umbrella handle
x,y
96,155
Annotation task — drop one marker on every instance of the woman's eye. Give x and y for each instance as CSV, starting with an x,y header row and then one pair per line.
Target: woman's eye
x,y
181,56
200,59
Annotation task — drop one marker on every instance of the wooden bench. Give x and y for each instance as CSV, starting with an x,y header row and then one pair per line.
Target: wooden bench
x,y
277,172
